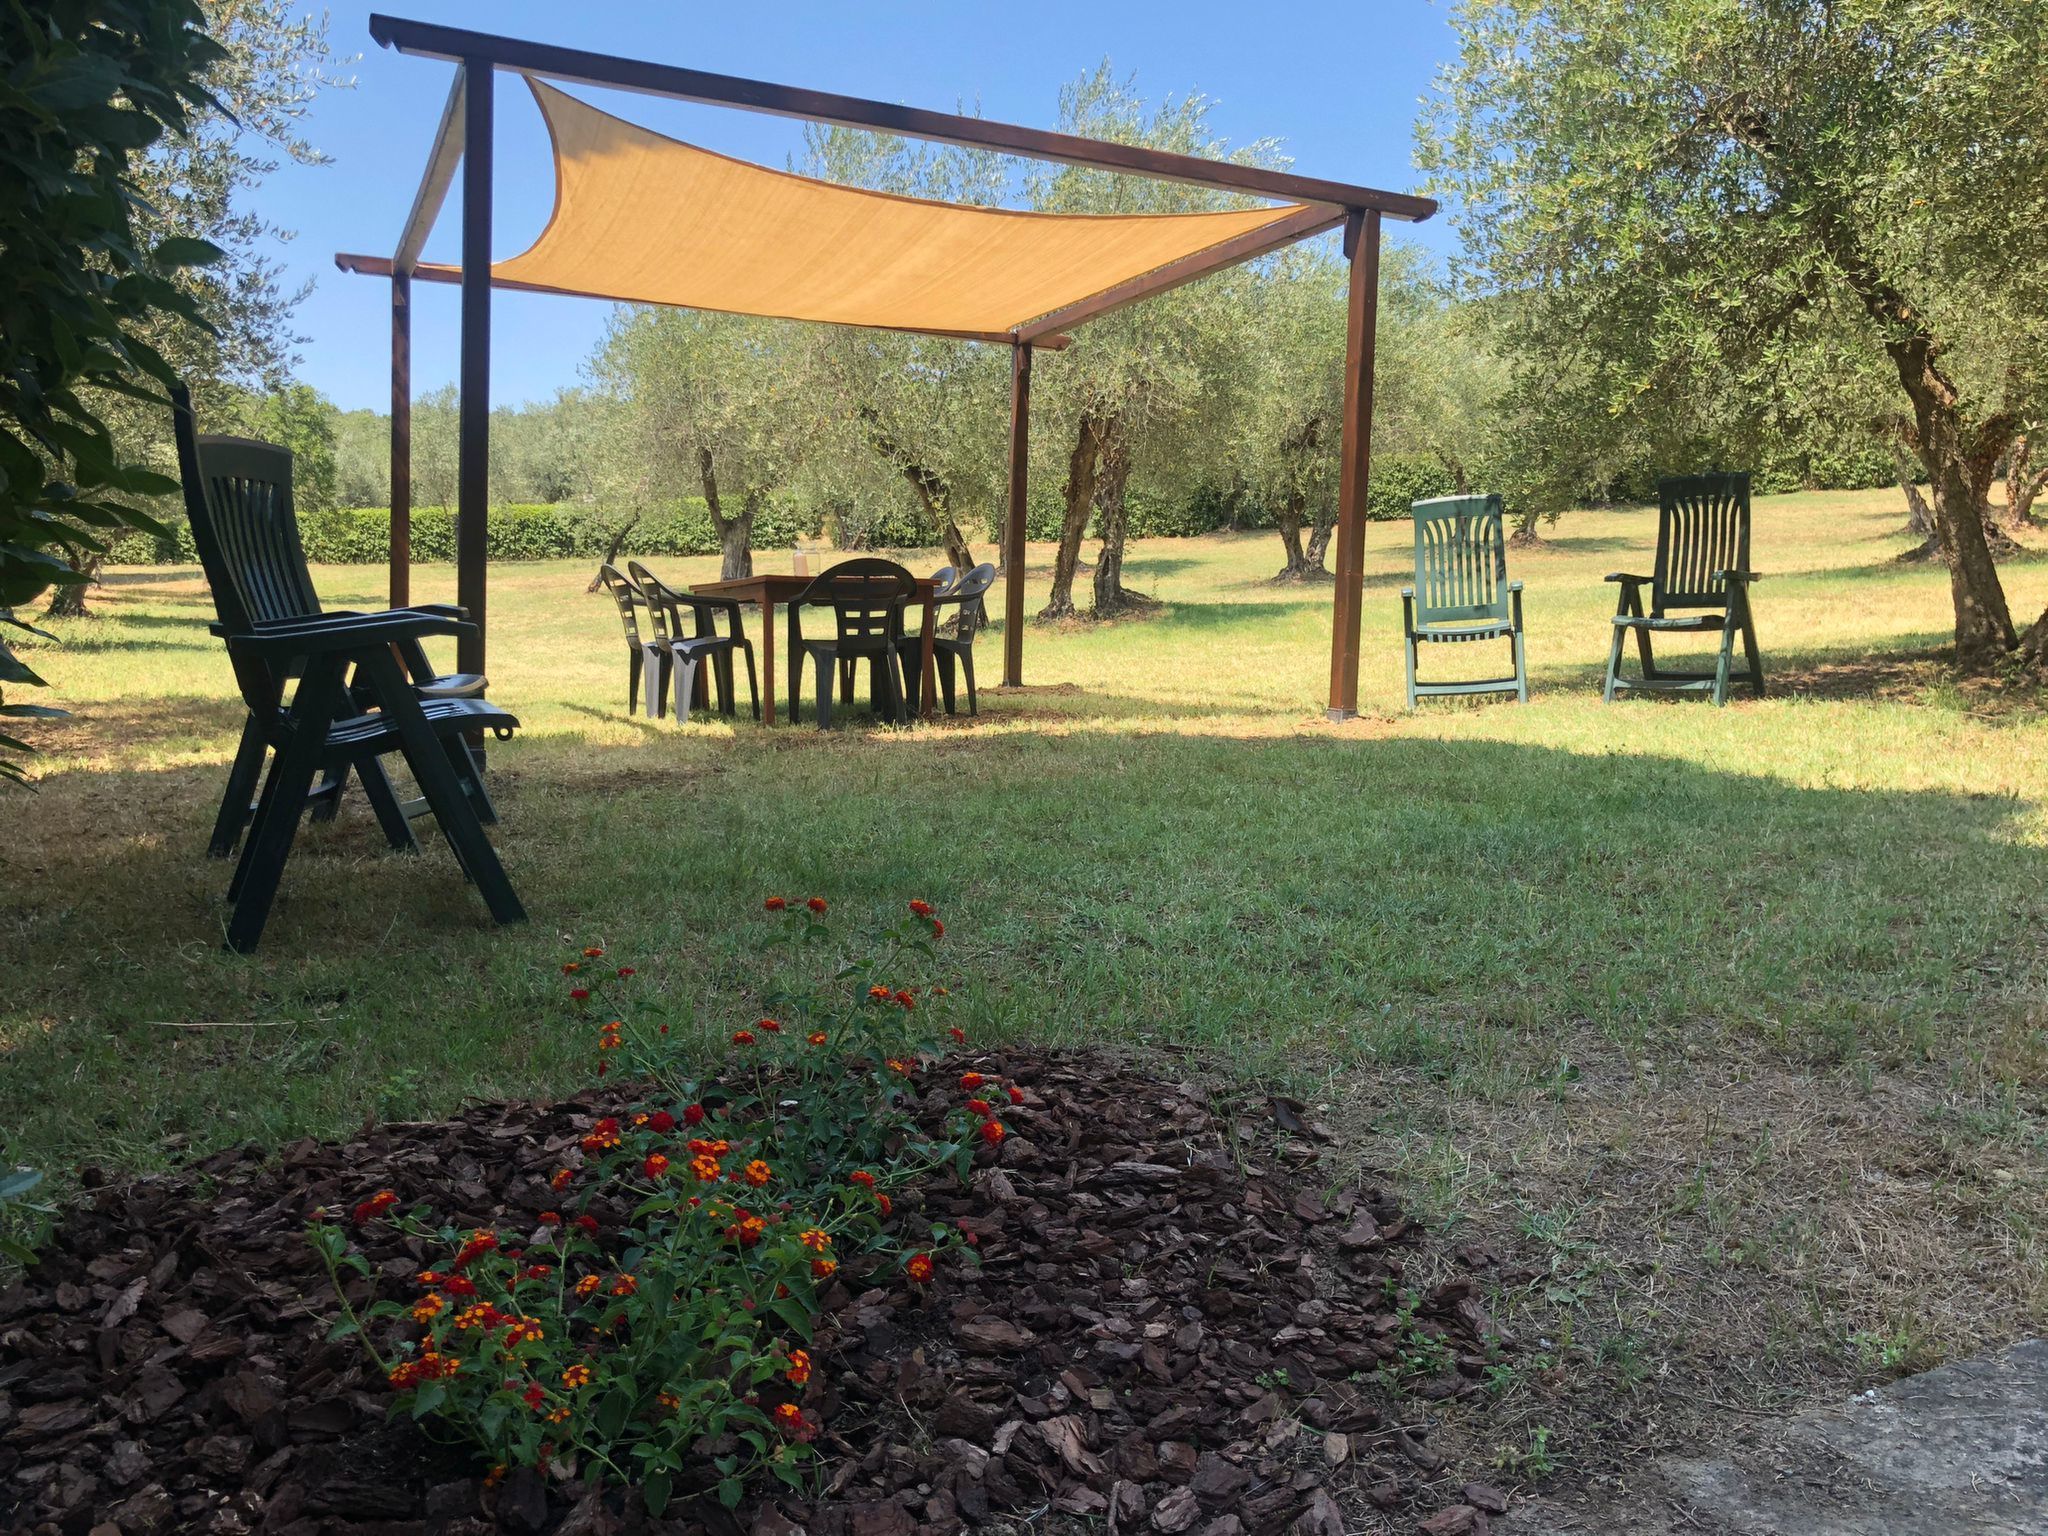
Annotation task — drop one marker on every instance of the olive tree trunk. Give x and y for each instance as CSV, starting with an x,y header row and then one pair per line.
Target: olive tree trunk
x,y
735,534
1111,595
1083,468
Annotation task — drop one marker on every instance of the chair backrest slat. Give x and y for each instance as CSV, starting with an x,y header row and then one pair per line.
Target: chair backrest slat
x,y
1461,560
866,597
632,602
1702,530
238,499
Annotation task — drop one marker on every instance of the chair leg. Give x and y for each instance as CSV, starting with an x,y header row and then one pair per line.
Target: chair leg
x,y
1408,659
326,795
948,679
243,777
882,673
912,683
753,685
633,661
846,681
1614,664
469,770
654,673
826,667
1725,661
684,670
1521,669
284,801
973,699
1752,651
728,704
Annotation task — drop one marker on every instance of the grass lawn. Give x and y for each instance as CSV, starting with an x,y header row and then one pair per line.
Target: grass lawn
x,y
1730,1024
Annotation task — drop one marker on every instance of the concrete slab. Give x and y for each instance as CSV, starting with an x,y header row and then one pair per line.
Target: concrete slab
x,y
1957,1451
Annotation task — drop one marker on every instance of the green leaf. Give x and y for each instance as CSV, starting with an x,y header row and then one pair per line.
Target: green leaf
x,y
186,251
729,1491
655,1488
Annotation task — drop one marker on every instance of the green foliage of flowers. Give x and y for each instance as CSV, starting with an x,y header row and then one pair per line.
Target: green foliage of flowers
x,y
652,1331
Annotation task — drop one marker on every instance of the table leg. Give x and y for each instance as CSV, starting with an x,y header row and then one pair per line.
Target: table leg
x,y
927,694
767,662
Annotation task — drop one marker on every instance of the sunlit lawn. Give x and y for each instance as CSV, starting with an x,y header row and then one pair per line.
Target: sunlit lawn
x,y
1735,1017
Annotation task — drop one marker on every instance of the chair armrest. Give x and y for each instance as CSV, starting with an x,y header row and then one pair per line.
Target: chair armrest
x,y
1514,586
1407,592
445,610
326,637
1622,576
1738,576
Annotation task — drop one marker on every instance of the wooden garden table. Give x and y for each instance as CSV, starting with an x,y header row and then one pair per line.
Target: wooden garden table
x,y
769,591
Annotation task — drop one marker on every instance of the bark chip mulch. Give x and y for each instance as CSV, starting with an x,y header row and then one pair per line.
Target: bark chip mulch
x,y
1177,1327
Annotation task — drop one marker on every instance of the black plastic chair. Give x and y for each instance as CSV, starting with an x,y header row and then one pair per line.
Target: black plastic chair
x,y
325,728
867,598
949,650
238,496
705,641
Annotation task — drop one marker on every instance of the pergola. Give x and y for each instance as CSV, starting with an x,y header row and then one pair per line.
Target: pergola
x,y
643,218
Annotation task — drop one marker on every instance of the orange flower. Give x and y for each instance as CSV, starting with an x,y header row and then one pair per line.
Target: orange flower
x,y
774,903
743,1037
668,1401
593,953
759,1173
899,1066
770,1026
816,1037
375,1206
562,1179
919,1268
704,1168
526,1328
625,1285
992,1132
815,1239
921,908
799,1370
571,968
879,994
428,1307
817,905
788,1415
557,1416
908,1000
971,1080
576,1376
824,1269
861,1177
655,1166
588,1285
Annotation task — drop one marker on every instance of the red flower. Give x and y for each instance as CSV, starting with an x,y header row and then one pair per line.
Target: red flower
x,y
572,967
938,929
770,1025
799,1370
907,1000
459,1285
977,1106
535,1395
694,1115
626,970
1016,1094
593,953
478,1244
992,1132
661,1121
919,1268
824,1269
921,908
971,1080
375,1206
579,994
959,1035
885,1205
816,904
551,1218
861,1177
655,1166
774,903
587,1223
743,1037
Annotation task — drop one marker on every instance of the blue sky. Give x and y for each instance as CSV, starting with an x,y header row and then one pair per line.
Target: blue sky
x,y
1337,82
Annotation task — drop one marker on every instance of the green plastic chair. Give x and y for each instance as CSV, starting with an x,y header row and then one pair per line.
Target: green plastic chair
x,y
1462,592
1700,586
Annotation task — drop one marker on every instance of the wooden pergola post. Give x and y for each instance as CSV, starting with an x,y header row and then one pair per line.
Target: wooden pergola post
x,y
1013,524
1362,246
401,439
473,447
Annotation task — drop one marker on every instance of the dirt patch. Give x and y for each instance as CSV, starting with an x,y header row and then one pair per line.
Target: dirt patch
x,y
1179,1324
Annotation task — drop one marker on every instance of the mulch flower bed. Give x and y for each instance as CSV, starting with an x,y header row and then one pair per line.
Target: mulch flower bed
x,y
1174,1328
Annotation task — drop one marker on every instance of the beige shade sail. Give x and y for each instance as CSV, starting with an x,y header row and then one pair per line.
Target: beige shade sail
x,y
648,219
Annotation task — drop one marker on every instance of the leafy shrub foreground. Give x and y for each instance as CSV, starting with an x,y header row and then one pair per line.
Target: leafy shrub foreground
x,y
652,1331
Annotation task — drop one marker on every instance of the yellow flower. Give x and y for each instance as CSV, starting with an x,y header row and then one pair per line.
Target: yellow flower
x,y
576,1376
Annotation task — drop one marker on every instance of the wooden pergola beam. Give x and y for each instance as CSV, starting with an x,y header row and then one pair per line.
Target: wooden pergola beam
x,y
1014,513
473,429
576,66
1362,246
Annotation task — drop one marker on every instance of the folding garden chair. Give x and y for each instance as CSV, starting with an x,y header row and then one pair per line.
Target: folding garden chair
x,y
238,497
1702,566
667,605
866,597
1462,592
